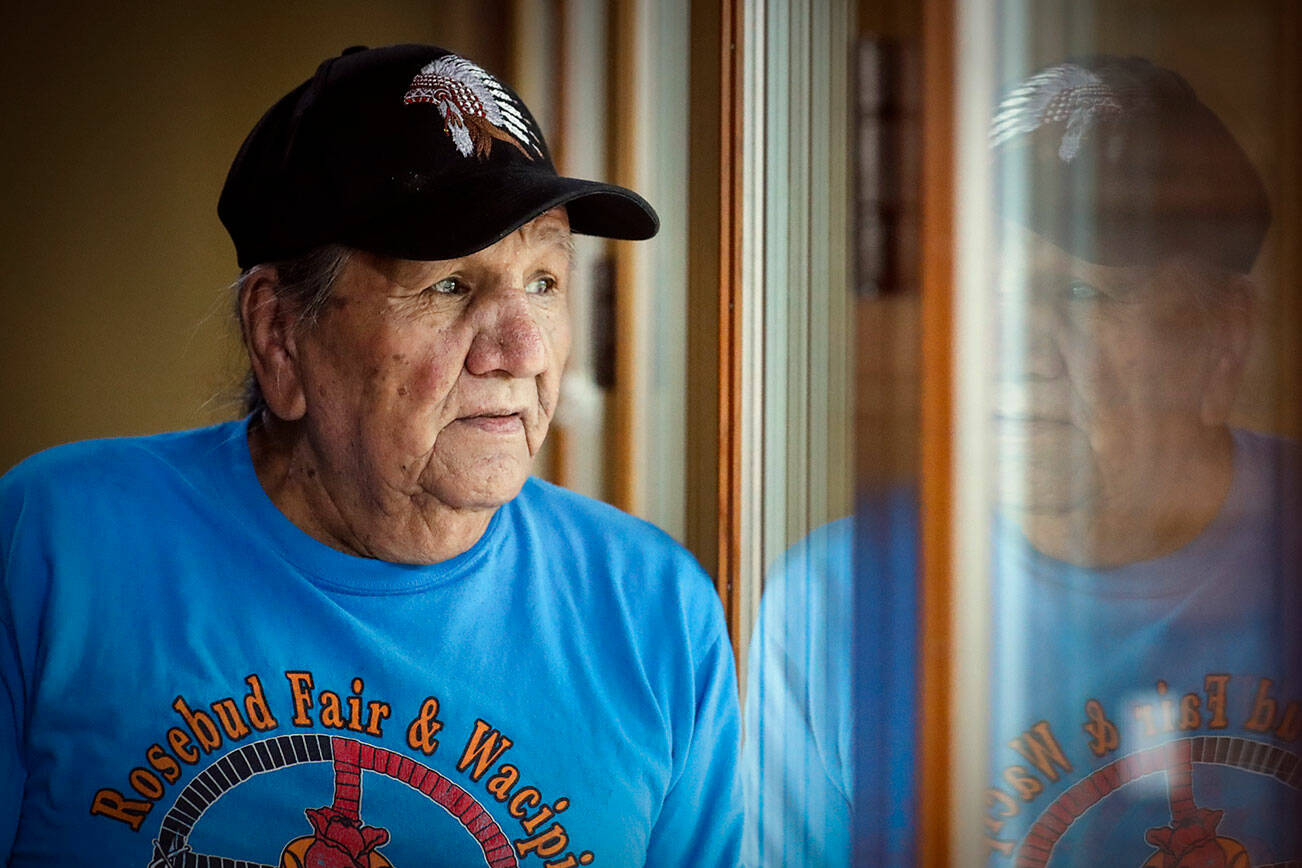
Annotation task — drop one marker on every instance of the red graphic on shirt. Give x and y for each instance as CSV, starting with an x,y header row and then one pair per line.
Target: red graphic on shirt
x,y
340,839
1193,843
1190,841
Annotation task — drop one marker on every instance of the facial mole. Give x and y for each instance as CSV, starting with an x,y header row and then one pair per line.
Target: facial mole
x,y
402,390
399,357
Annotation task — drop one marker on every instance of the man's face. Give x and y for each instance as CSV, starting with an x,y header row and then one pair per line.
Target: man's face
x,y
1102,377
439,379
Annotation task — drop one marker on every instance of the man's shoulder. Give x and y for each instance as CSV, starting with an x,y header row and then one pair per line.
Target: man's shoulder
x,y
115,464
1267,471
552,503
1261,452
877,541
598,535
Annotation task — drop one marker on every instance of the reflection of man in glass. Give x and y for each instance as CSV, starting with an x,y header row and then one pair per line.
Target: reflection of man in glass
x,y
1130,290
1115,408
1145,701
1144,692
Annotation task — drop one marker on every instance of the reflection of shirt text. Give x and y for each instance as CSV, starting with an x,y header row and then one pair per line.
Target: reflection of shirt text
x,y
1045,761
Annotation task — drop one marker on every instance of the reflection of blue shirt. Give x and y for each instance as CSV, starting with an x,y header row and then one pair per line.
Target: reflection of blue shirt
x,y
1095,671
820,704
1130,705
183,670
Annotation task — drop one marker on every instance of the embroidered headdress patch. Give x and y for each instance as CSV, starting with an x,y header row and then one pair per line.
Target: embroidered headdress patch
x,y
1066,94
476,109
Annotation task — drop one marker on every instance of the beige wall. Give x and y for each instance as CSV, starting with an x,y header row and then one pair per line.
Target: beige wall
x,y
120,122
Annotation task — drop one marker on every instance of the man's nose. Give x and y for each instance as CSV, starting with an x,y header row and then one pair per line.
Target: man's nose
x,y
1030,339
508,338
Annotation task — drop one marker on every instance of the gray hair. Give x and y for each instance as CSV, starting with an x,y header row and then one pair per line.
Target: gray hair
x,y
305,283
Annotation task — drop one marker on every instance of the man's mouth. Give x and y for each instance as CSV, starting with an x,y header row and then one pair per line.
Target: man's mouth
x,y
1028,419
494,422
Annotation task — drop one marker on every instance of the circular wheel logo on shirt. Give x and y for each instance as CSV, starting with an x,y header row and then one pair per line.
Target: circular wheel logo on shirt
x,y
1193,838
335,835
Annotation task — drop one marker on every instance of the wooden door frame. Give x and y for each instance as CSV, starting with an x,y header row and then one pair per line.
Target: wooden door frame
x,y
937,448
714,298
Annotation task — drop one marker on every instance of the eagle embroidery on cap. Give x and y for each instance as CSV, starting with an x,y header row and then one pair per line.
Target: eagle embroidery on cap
x,y
476,108
1066,93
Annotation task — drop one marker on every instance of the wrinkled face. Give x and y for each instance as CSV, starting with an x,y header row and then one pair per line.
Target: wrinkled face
x,y
439,379
1103,376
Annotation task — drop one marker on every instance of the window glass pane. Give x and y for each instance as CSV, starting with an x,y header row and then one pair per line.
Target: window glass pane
x,y
1141,293
830,312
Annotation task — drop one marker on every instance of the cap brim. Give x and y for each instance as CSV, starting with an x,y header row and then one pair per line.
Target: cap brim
x,y
452,220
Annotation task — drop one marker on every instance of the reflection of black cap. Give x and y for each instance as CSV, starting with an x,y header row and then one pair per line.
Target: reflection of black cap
x,y
1118,162
408,151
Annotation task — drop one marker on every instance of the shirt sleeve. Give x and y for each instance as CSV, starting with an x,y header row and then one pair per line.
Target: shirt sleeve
x,y
12,773
700,820
796,813
795,759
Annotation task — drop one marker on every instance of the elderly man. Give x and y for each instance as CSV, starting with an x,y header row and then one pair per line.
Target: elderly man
x,y
351,630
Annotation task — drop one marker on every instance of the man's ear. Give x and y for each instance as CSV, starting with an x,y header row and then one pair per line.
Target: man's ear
x,y
1233,324
268,324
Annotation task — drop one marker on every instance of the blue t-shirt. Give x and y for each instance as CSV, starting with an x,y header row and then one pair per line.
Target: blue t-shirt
x,y
1153,711
188,677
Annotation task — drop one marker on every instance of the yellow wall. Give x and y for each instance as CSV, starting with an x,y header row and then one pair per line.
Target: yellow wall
x,y
120,123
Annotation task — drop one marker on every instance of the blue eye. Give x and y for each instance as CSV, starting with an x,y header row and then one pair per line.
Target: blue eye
x,y
1079,290
541,285
447,286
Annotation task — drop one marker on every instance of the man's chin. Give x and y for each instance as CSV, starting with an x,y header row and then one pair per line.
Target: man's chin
x,y
486,485
1064,498
1051,473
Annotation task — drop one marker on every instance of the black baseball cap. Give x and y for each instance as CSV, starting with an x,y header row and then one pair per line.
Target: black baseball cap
x,y
1117,161
408,151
